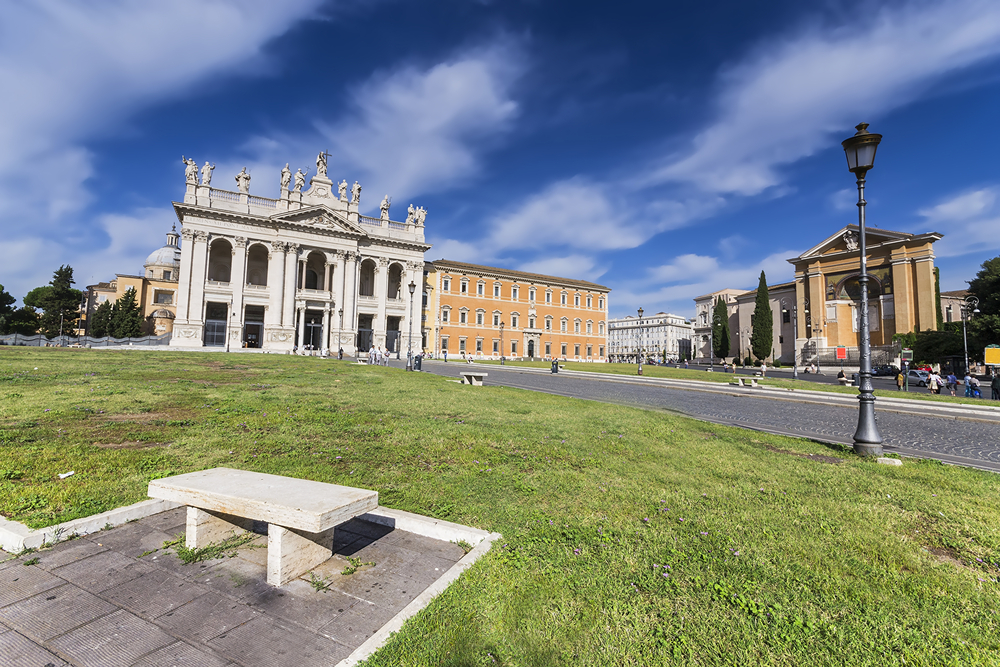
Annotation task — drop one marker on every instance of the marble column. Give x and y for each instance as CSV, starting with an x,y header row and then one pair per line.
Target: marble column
x,y
275,285
199,274
326,329
326,276
184,279
237,281
351,293
379,325
288,311
302,326
302,273
340,278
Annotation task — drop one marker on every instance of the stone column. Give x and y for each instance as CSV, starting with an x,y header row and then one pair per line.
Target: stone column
x,y
199,274
275,284
414,274
379,325
288,311
326,276
351,301
326,329
184,279
302,274
237,281
340,279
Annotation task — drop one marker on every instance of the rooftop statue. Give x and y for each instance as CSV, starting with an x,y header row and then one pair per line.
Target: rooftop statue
x,y
286,177
342,188
386,203
321,164
300,180
190,171
243,181
410,215
420,216
356,193
206,174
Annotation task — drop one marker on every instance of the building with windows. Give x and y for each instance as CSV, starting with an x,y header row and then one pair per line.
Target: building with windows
x,y
704,307
660,336
489,312
155,290
304,271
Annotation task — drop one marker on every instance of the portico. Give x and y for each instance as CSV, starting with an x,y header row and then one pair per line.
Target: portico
x,y
306,271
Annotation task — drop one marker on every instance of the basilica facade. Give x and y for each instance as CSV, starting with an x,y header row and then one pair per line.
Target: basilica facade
x,y
305,271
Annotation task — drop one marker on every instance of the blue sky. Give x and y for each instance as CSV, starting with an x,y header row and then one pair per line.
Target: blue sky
x,y
663,149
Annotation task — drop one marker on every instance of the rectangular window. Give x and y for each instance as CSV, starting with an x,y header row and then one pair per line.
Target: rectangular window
x,y
513,348
563,299
480,289
444,315
548,324
548,297
590,327
167,275
576,300
564,349
479,345
164,297
424,302
562,326
590,301
446,285
496,319
513,321
461,345
479,319
590,350
444,343
600,303
576,350
496,346
548,349
576,327
513,293
496,291
464,287
531,294
461,317
600,349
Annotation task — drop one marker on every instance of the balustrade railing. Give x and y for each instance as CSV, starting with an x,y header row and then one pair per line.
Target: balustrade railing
x,y
256,287
397,225
224,195
262,202
216,283
371,222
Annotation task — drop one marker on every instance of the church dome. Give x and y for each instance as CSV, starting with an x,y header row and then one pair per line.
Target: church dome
x,y
167,256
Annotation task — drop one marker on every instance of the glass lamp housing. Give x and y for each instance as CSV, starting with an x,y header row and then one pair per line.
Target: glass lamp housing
x,y
860,149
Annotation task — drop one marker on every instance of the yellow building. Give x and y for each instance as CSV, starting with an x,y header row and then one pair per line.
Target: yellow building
x,y
489,312
901,287
155,290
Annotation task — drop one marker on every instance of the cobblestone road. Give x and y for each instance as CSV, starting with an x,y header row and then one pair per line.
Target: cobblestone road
x,y
953,440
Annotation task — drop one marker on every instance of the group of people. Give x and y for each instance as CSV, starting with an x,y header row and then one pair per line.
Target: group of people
x,y
378,356
950,382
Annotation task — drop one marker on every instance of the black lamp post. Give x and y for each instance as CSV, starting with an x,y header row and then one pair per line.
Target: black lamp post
x,y
969,308
409,341
795,339
860,150
639,333
501,341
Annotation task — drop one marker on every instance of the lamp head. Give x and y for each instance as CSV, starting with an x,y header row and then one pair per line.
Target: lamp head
x,y
412,286
640,312
860,150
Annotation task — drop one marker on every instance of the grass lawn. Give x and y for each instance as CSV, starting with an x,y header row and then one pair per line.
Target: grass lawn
x,y
670,373
631,537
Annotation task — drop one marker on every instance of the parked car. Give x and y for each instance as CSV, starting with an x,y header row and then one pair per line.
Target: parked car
x,y
885,369
918,377
923,368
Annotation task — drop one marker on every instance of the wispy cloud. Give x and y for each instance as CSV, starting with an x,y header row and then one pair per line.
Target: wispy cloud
x,y
969,221
801,93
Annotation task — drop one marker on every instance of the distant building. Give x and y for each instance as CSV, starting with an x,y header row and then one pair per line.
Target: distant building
x,y
951,305
489,312
704,307
658,336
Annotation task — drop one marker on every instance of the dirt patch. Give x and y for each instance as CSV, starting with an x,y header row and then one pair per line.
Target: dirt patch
x,y
130,445
944,555
139,418
812,457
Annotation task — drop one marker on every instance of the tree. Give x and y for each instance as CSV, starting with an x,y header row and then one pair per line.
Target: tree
x,y
100,322
984,327
6,309
720,329
762,321
23,321
59,301
126,319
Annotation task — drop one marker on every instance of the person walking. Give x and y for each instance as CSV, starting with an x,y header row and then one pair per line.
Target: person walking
x,y
968,384
995,386
763,369
952,382
900,380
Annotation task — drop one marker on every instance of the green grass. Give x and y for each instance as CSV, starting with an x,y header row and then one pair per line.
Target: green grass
x,y
771,557
670,373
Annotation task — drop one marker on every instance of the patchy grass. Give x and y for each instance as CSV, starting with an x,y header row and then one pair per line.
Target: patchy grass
x,y
631,537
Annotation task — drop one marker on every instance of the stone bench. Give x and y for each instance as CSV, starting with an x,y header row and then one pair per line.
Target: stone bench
x,y
742,382
844,381
301,514
474,378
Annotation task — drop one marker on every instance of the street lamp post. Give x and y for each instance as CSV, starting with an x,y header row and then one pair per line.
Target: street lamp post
x,y
340,313
638,355
409,341
860,150
968,310
501,341
795,339
229,320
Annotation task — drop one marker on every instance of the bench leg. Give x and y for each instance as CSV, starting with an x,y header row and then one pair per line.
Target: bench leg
x,y
291,553
204,527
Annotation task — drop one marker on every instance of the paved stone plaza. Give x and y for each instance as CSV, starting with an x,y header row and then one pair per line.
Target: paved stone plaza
x,y
103,601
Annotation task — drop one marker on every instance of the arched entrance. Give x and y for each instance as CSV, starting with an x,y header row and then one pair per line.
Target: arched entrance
x,y
531,349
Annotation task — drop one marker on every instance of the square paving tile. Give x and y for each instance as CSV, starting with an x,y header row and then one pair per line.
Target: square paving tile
x,y
19,582
173,522
180,654
367,529
166,559
64,553
426,546
16,649
102,571
132,539
57,610
154,593
116,640
238,578
206,617
268,643
358,625
298,602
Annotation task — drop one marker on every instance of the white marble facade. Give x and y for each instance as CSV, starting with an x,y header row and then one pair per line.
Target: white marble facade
x,y
305,271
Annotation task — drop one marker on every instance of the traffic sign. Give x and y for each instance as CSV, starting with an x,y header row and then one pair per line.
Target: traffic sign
x,y
841,352
907,354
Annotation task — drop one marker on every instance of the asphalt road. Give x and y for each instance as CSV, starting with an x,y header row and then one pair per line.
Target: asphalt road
x,y
953,439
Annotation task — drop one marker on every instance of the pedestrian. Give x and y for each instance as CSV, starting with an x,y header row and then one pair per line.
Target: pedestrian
x,y
932,382
763,369
445,353
901,379
340,353
975,388
952,382
968,384
995,386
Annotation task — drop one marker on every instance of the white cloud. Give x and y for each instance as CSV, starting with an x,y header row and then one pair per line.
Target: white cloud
x,y
459,251
844,200
802,93
73,72
969,221
582,267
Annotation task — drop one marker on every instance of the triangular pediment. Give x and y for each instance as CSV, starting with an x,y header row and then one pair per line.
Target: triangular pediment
x,y
321,218
846,240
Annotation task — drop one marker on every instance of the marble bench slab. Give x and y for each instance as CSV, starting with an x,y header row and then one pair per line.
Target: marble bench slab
x,y
474,378
301,514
